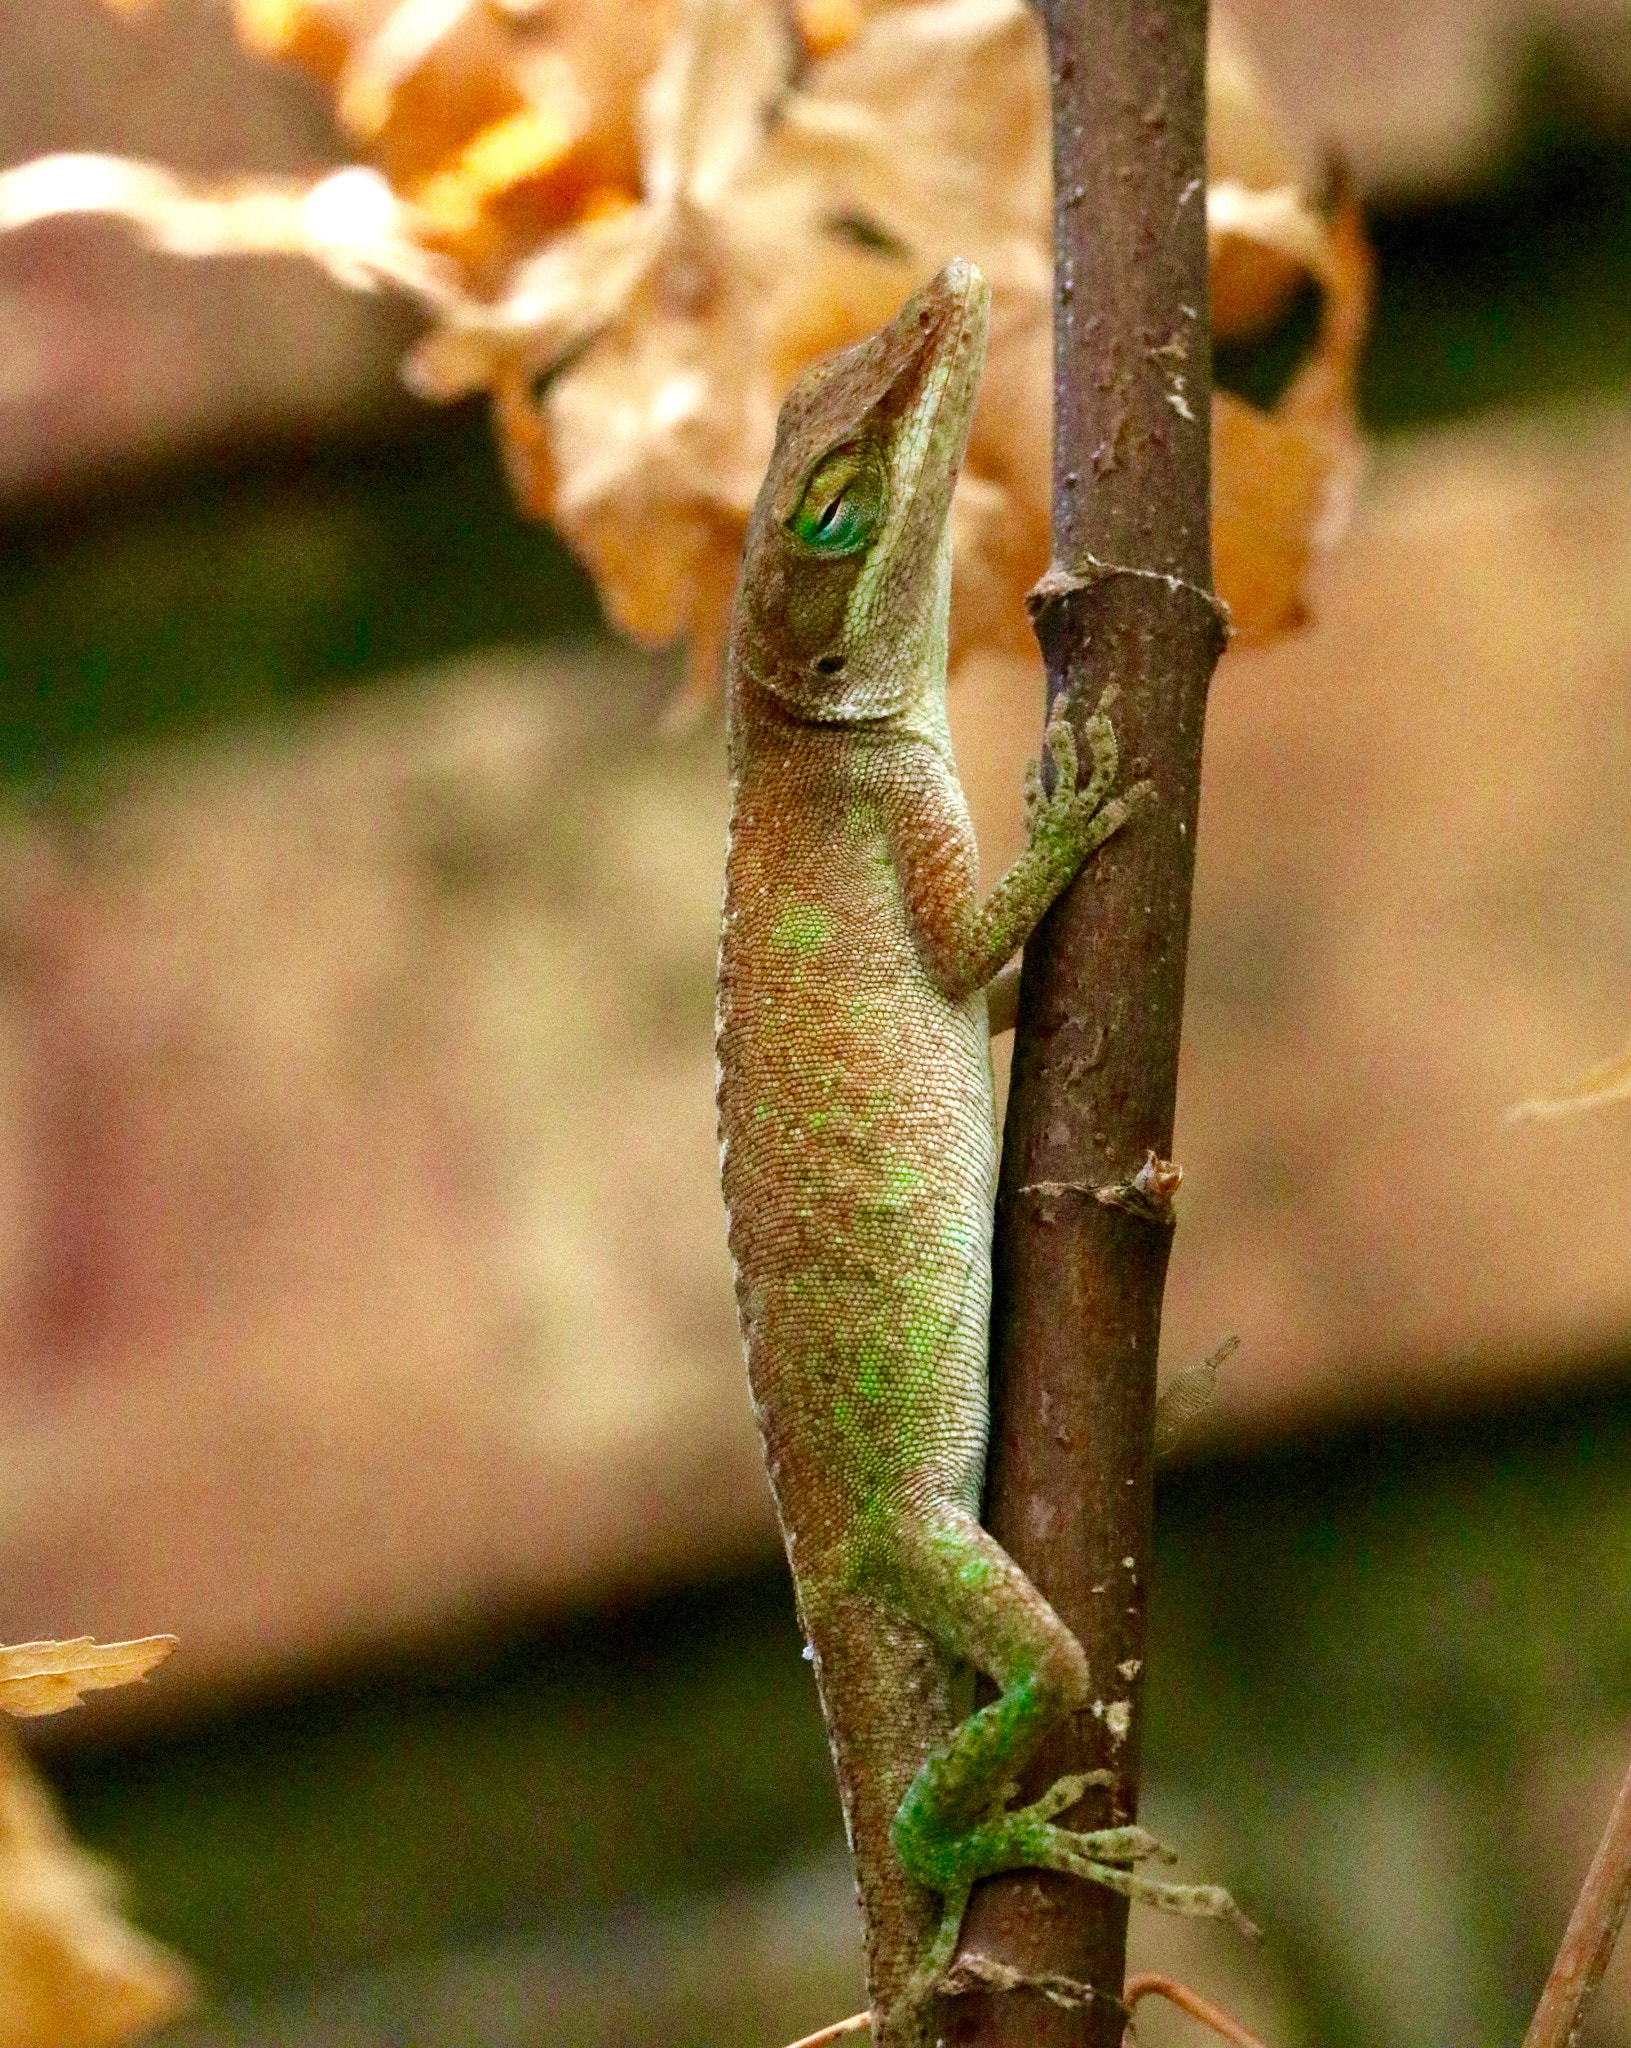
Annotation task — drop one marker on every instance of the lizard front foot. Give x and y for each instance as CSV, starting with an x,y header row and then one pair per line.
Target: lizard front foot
x,y
1073,822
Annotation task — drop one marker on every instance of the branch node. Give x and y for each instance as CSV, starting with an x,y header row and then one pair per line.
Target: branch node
x,y
1147,1195
1150,1191
1056,586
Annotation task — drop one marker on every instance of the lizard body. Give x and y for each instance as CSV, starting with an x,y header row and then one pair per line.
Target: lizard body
x,y
857,1141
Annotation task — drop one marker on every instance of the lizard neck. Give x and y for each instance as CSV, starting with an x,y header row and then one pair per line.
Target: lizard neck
x,y
759,714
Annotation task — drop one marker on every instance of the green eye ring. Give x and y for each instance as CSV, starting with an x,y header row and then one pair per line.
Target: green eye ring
x,y
842,505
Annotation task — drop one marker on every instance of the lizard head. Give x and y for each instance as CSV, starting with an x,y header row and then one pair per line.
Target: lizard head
x,y
846,570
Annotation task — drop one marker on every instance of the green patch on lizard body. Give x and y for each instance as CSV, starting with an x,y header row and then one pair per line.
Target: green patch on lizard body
x,y
902,1179
803,928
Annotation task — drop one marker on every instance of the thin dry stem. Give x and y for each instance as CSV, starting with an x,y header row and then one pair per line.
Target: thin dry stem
x,y
857,2023
1152,1984
1588,1940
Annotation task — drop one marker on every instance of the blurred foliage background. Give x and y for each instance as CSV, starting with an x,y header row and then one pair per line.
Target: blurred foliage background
x,y
366,1311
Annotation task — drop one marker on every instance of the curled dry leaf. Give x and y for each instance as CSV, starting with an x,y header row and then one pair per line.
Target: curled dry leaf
x,y
73,1974
44,1678
1265,241
635,221
1284,482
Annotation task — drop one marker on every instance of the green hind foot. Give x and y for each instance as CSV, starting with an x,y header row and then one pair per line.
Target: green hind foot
x,y
1028,1839
1025,1838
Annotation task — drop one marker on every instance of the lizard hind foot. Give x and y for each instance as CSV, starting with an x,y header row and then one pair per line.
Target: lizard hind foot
x,y
1105,1856
1028,1838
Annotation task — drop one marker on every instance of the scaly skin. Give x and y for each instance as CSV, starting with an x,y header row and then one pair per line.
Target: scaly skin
x,y
857,1143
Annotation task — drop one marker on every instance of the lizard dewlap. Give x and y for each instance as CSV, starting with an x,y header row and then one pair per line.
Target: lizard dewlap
x,y
857,1146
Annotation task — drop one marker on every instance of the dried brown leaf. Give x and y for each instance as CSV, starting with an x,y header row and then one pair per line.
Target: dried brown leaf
x,y
45,1678
1250,163
1284,482
925,134
1265,244
501,125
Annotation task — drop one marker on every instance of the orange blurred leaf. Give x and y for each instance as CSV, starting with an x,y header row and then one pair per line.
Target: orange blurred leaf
x,y
73,1974
636,224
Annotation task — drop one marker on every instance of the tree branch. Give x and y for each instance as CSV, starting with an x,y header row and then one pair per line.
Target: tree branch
x,y
1083,1218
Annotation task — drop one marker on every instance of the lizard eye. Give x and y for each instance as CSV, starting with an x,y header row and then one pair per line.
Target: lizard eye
x,y
842,505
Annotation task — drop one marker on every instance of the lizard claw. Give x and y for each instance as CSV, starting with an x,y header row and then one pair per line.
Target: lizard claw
x,y
1041,803
1101,741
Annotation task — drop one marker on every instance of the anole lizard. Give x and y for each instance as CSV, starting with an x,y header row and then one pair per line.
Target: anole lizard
x,y
857,1142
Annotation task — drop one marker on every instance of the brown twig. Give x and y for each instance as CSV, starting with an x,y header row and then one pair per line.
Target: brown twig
x,y
1078,1281
1589,1938
1151,1983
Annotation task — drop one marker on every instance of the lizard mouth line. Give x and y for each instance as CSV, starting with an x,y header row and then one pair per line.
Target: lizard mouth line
x,y
950,315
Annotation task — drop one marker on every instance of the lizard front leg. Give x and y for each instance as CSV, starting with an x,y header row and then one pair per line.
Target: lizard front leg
x,y
964,941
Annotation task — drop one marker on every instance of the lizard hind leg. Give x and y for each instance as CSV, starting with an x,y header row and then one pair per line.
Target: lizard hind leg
x,y
957,1583
954,1827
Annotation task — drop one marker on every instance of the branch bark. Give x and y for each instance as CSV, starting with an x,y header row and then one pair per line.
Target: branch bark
x,y
1083,1222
